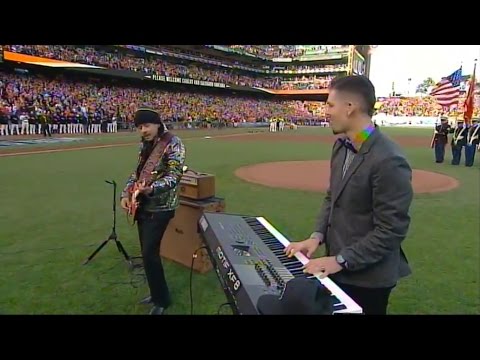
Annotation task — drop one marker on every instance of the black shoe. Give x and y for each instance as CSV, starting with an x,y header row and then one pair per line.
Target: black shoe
x,y
146,301
157,310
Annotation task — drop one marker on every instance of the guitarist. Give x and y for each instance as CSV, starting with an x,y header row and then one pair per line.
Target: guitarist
x,y
155,180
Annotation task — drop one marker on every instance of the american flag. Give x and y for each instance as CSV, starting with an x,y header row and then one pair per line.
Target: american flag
x,y
447,91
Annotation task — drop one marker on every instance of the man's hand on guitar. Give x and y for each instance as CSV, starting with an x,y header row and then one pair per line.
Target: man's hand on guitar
x,y
125,203
144,189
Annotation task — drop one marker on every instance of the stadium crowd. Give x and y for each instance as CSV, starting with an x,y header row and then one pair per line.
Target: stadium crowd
x,y
310,69
268,51
285,51
417,106
153,64
306,83
34,100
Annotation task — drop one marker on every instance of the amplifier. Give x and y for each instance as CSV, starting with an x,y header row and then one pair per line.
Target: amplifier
x,y
182,239
197,186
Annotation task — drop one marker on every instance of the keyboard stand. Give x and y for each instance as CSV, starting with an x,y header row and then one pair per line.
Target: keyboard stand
x,y
226,290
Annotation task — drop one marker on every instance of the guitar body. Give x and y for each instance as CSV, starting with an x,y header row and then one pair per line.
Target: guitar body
x,y
134,203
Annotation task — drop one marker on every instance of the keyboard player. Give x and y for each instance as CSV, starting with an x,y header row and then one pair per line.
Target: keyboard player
x,y
365,214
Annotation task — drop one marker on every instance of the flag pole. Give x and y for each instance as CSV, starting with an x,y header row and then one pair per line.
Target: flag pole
x,y
470,99
474,80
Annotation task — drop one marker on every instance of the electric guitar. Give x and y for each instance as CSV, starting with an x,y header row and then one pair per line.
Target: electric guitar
x,y
133,204
134,192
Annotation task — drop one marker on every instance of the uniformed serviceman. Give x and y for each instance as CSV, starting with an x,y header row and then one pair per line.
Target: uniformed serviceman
x,y
473,141
459,140
440,139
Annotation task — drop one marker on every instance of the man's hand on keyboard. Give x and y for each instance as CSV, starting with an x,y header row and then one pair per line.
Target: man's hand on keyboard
x,y
324,266
307,247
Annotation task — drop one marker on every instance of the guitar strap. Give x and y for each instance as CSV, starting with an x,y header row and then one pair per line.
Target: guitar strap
x,y
156,154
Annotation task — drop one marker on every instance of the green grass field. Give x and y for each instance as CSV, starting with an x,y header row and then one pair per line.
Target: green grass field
x,y
56,209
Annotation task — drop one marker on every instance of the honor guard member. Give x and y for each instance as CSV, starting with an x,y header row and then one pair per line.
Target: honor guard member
x,y
440,139
473,141
459,140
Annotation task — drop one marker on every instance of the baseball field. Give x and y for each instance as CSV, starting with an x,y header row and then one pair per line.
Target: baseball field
x,y
56,209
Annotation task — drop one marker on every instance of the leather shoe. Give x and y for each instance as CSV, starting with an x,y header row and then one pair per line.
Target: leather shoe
x,y
146,301
157,310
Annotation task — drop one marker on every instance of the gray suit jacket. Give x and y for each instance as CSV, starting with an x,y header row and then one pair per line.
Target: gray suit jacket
x,y
365,215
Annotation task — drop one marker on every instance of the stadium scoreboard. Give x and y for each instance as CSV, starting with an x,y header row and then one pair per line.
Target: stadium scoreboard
x,y
358,64
359,60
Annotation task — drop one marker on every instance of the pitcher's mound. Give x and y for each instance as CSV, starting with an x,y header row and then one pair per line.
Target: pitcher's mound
x,y
315,175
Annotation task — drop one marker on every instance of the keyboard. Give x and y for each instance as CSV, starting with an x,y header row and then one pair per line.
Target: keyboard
x,y
248,255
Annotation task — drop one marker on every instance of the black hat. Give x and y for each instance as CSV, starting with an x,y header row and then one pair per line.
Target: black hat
x,y
301,296
146,116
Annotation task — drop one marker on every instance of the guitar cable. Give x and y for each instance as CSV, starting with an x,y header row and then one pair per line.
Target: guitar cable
x,y
194,256
220,307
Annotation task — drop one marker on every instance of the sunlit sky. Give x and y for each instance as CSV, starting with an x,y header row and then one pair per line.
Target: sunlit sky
x,y
398,63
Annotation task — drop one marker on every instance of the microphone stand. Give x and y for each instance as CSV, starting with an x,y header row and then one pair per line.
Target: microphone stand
x,y
113,235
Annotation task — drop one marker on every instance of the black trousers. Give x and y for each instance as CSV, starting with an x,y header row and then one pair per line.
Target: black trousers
x,y
151,227
373,301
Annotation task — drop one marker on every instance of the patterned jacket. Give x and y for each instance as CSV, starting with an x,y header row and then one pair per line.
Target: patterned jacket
x,y
165,187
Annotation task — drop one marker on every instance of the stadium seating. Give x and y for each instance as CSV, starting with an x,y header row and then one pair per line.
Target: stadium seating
x,y
152,64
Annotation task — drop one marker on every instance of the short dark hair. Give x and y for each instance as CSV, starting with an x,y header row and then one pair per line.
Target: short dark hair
x,y
359,85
